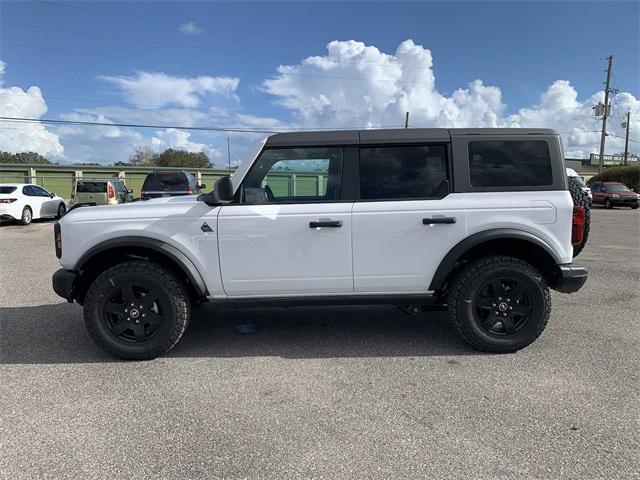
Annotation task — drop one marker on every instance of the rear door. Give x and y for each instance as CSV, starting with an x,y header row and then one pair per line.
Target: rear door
x,y
289,233
405,219
91,191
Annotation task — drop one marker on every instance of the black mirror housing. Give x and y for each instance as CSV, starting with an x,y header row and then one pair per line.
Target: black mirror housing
x,y
51,195
222,193
204,185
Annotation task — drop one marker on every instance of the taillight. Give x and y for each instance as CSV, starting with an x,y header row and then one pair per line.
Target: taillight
x,y
577,226
57,239
142,193
7,200
189,191
111,193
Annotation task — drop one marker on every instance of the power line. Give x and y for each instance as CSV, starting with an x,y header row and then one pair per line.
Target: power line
x,y
199,65
178,127
159,105
177,24
240,69
212,49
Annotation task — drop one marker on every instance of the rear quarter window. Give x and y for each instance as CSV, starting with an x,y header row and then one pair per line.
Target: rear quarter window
x,y
510,163
7,189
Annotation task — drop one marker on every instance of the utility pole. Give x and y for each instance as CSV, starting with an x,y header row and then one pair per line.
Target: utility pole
x,y
406,120
605,114
626,138
229,154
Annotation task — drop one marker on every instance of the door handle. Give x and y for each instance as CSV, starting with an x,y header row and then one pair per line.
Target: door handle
x,y
436,220
326,223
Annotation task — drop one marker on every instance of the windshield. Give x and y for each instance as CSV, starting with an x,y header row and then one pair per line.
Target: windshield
x,y
239,174
7,189
617,187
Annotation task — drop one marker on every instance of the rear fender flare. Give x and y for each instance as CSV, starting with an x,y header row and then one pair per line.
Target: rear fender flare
x,y
459,250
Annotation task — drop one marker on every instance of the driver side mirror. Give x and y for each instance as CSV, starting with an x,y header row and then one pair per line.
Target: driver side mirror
x,y
51,195
222,193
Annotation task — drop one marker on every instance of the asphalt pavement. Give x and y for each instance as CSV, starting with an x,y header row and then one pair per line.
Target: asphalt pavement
x,y
330,392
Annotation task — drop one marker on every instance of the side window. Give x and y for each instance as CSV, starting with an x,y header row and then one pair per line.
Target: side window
x,y
39,191
28,191
409,172
295,175
511,163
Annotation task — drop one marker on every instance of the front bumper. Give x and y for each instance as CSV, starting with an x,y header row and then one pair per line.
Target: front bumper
x,y
63,283
569,278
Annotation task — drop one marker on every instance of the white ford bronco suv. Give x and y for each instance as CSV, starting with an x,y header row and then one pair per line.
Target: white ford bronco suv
x,y
479,221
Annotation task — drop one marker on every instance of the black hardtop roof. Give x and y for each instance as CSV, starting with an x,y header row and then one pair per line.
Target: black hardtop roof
x,y
395,135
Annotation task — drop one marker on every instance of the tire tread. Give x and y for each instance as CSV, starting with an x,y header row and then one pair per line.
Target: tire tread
x,y
175,288
461,284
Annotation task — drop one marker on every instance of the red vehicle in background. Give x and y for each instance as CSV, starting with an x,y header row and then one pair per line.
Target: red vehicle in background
x,y
614,194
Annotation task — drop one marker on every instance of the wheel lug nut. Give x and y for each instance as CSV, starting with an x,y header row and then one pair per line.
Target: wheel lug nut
x,y
499,298
510,308
493,304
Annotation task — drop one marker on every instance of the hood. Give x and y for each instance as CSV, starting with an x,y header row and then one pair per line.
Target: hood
x,y
186,205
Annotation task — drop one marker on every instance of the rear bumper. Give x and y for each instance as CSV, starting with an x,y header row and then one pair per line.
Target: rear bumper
x,y
63,283
569,278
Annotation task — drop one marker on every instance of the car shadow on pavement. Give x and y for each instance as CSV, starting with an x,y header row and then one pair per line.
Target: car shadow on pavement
x,y
55,333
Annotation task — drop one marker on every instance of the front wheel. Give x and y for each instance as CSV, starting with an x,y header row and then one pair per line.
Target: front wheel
x,y
608,203
499,304
62,209
137,310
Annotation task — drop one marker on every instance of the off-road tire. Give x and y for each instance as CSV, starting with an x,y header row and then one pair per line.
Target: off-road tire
x,y
165,284
467,285
581,199
27,216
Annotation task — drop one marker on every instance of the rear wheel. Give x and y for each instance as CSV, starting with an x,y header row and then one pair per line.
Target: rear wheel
x,y
137,310
27,216
499,304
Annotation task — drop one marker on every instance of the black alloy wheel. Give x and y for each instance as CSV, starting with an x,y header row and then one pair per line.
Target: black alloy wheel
x,y
133,312
503,306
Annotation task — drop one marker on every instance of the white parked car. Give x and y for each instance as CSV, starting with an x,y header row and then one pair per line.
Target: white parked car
x,y
25,202
479,221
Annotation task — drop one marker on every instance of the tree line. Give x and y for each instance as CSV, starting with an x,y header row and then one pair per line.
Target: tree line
x,y
141,157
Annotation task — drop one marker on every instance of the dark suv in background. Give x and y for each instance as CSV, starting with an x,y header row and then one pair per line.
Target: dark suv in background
x,y
614,194
169,184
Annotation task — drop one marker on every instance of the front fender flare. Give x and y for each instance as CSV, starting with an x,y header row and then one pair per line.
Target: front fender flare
x,y
154,244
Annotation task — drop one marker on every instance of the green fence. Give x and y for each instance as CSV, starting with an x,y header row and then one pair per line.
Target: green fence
x,y
59,179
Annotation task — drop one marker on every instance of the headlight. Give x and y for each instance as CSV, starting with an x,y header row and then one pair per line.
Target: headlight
x,y
57,239
615,195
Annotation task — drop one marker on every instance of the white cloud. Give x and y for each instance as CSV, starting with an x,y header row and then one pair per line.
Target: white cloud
x,y
190,28
358,85
180,140
156,89
22,137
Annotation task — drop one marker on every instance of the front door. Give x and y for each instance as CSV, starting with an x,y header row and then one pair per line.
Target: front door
x,y
405,221
289,232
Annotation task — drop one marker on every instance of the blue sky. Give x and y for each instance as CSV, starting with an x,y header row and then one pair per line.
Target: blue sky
x,y
520,48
